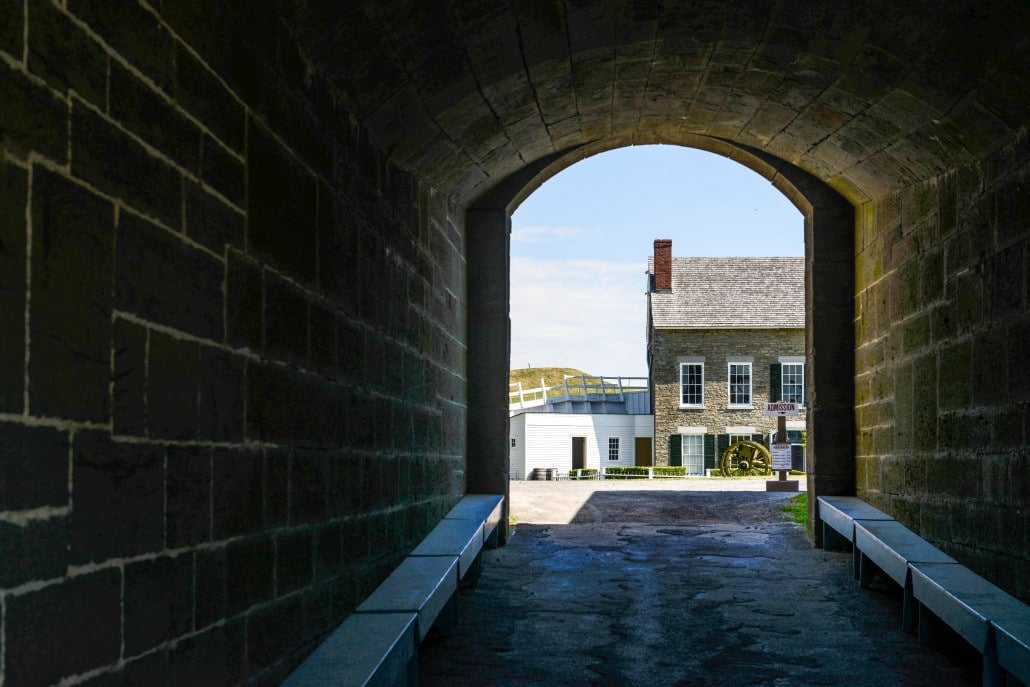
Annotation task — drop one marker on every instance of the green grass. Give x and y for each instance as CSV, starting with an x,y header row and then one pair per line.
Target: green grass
x,y
796,508
553,376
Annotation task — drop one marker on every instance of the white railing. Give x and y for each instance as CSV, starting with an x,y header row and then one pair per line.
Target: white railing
x,y
575,388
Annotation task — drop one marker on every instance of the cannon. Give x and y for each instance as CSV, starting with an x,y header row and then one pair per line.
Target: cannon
x,y
745,459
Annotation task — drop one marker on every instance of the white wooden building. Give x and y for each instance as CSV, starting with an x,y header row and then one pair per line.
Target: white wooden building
x,y
563,441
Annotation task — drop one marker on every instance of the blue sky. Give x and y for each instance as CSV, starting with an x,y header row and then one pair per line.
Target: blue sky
x,y
579,247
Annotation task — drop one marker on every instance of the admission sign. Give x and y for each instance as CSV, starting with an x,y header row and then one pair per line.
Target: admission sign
x,y
781,409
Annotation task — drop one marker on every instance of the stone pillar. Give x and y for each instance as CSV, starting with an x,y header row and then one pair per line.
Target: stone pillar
x,y
487,234
829,329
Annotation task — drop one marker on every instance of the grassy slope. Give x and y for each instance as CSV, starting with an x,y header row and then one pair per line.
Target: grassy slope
x,y
530,376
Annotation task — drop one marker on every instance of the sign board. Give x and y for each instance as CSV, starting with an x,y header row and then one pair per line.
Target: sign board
x,y
781,408
781,458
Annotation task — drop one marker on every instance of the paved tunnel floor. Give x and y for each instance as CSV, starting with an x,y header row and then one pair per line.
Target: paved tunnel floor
x,y
687,583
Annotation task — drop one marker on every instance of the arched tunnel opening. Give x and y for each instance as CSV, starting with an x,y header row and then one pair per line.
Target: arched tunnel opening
x,y
253,284
829,246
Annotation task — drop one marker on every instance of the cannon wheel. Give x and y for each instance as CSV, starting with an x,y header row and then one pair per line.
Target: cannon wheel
x,y
745,458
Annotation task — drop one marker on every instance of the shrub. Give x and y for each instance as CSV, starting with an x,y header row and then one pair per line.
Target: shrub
x,y
583,473
624,472
670,471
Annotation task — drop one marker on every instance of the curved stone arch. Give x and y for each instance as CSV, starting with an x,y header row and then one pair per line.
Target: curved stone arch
x,y
829,223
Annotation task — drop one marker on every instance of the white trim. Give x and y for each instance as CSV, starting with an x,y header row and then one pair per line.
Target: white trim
x,y
796,424
740,360
679,384
791,359
690,359
692,431
741,429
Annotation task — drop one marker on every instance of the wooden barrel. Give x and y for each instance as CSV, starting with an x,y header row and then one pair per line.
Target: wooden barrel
x,y
539,474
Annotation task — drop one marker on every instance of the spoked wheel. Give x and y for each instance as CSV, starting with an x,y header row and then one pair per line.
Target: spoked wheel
x,y
745,458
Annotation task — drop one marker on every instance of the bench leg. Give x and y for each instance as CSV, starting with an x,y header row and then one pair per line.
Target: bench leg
x,y
864,569
832,540
993,674
909,607
471,578
445,622
412,673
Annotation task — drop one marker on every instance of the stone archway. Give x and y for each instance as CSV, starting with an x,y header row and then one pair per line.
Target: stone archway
x,y
829,279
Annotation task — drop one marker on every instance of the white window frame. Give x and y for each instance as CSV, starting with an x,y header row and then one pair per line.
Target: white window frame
x,y
730,364
613,448
695,461
700,364
792,360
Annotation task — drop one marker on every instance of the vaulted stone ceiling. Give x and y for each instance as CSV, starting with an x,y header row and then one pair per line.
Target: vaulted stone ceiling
x,y
868,96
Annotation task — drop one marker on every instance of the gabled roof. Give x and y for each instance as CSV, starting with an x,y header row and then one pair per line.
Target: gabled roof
x,y
731,293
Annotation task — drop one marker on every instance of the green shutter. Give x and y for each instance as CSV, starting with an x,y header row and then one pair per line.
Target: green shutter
x,y
722,442
775,383
675,450
711,462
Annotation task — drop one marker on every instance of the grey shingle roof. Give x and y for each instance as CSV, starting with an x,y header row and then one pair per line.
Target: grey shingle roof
x,y
731,293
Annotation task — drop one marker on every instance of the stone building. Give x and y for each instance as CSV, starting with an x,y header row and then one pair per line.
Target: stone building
x,y
724,335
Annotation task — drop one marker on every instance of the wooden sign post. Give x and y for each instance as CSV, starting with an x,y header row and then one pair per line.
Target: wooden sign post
x,y
781,453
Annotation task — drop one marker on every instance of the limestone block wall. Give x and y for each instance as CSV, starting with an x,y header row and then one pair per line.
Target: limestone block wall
x,y
232,348
943,388
667,345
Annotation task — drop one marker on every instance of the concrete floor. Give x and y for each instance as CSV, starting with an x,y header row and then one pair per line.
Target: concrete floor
x,y
685,583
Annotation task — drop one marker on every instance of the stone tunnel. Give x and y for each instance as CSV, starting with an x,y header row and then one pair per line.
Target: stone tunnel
x,y
254,284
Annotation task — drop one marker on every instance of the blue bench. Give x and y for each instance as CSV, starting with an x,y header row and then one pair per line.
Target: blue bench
x,y
484,508
994,622
422,585
938,591
839,515
374,651
891,547
378,643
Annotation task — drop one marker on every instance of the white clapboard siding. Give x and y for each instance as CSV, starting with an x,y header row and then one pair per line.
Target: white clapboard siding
x,y
548,439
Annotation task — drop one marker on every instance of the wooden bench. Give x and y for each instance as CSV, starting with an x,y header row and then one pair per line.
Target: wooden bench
x,y
453,538
378,643
994,622
891,547
374,650
839,515
484,508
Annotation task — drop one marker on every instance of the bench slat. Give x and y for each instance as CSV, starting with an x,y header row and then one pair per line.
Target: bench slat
x,y
892,546
376,650
841,512
462,539
484,508
420,585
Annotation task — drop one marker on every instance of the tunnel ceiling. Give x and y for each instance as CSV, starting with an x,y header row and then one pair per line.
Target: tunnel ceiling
x,y
864,95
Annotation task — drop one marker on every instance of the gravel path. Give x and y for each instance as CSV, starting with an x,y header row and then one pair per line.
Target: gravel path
x,y
685,584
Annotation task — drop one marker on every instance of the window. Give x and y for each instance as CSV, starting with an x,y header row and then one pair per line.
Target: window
x,y
613,448
734,438
740,384
792,383
692,385
693,454
513,442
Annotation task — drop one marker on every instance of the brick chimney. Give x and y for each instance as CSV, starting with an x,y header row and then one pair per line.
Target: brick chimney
x,y
663,264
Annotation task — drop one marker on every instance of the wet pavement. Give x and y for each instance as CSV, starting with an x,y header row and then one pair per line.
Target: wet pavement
x,y
679,583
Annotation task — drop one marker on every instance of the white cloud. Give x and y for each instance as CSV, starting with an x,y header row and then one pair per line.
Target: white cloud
x,y
587,314
542,233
